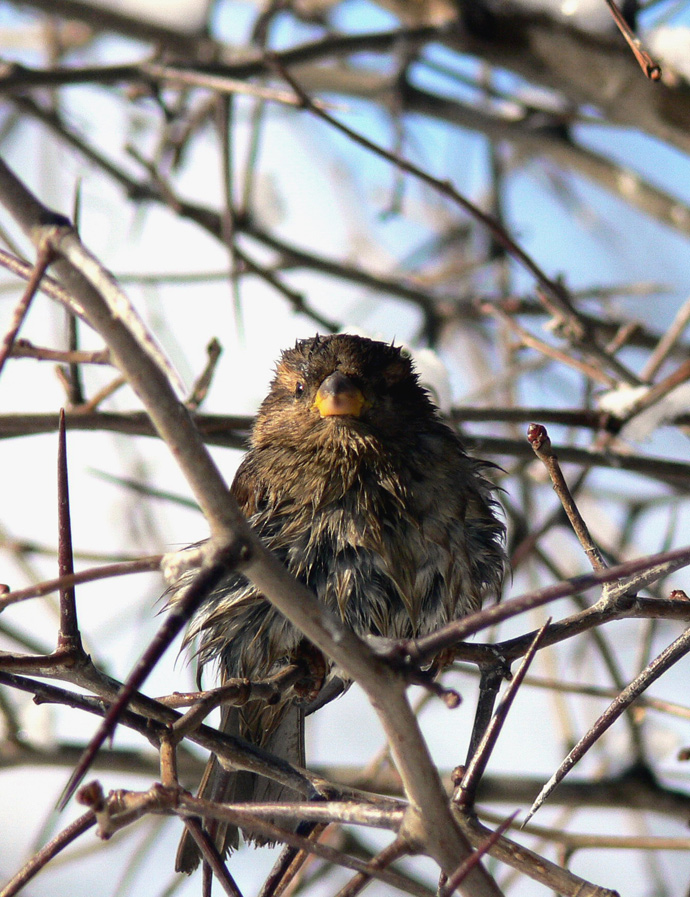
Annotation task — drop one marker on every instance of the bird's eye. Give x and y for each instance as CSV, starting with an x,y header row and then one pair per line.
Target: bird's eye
x,y
299,388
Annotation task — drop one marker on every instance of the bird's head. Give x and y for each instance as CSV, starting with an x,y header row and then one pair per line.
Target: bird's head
x,y
342,388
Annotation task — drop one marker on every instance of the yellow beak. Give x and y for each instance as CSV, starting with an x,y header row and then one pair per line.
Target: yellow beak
x,y
338,396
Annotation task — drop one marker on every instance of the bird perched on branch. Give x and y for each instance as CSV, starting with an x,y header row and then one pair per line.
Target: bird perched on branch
x,y
356,483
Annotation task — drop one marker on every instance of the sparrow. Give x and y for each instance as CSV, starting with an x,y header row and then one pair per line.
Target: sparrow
x,y
367,495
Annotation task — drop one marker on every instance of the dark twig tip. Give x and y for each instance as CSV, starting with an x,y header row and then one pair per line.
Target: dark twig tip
x,y
457,775
452,699
538,437
91,795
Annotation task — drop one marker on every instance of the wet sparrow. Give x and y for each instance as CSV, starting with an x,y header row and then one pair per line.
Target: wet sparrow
x,y
357,484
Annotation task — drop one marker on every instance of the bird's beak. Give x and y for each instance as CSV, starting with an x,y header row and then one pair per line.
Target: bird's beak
x,y
338,396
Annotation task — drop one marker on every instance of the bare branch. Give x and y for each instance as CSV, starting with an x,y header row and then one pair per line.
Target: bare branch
x,y
677,649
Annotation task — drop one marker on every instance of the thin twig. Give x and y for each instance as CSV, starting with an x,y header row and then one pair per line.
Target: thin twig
x,y
394,851
651,69
228,219
211,856
538,438
99,397
583,840
201,387
677,649
44,257
40,859
283,876
600,692
24,349
465,793
666,343
220,84
121,568
461,872
76,394
491,676
539,345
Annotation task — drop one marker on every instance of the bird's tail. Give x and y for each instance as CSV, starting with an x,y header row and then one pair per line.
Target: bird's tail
x,y
285,740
